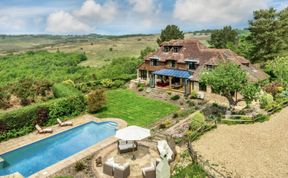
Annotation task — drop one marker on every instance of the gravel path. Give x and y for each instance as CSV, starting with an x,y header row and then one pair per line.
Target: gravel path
x,y
256,150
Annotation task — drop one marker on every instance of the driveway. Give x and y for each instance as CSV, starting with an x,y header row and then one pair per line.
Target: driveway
x,y
255,150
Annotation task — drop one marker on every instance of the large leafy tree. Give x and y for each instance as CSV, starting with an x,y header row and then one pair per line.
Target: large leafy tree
x,y
265,34
278,68
220,38
169,33
242,47
283,20
227,79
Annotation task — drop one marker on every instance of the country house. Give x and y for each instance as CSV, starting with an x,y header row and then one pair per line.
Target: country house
x,y
177,65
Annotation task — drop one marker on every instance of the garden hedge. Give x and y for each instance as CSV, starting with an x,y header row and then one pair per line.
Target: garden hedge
x,y
22,121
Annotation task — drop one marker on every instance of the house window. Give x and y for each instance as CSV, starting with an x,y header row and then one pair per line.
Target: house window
x,y
191,65
166,49
176,49
153,62
209,66
173,64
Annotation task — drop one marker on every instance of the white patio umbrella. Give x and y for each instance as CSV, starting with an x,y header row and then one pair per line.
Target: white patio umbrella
x,y
133,133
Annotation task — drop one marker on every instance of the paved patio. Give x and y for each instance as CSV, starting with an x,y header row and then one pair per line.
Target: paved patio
x,y
14,143
146,153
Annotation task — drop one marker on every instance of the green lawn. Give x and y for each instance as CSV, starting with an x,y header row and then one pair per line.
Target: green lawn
x,y
135,109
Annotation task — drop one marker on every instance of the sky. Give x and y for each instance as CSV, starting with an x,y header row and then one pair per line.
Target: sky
x,y
116,17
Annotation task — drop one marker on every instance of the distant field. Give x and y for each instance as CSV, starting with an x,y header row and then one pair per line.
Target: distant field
x,y
135,109
102,51
99,49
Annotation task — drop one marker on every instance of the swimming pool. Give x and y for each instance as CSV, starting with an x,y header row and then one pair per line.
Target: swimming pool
x,y
34,157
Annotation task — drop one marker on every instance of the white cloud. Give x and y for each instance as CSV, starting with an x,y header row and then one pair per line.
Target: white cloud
x,y
216,11
12,23
64,22
95,11
147,6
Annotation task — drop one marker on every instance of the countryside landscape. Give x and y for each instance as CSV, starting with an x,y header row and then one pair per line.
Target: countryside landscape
x,y
91,90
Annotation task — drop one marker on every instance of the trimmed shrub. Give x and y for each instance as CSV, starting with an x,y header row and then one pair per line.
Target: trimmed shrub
x,y
118,83
22,121
79,166
197,121
175,97
193,94
64,90
96,100
265,100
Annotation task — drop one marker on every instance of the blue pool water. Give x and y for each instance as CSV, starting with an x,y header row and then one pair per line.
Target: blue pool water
x,y
32,158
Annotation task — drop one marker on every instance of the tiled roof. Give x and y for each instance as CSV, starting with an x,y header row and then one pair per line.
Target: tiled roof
x,y
193,49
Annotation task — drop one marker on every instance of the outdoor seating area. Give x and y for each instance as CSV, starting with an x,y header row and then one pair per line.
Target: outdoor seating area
x,y
145,155
128,158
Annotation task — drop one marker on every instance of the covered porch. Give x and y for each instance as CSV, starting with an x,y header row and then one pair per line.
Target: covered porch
x,y
172,79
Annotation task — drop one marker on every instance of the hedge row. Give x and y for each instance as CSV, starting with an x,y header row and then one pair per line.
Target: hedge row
x,y
64,90
22,121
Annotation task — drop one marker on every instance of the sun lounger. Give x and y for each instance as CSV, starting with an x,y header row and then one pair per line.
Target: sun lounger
x,y
127,146
165,150
108,167
40,130
66,123
121,171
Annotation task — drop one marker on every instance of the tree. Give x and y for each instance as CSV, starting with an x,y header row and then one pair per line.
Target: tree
x,y
265,34
249,93
169,33
243,47
228,79
283,20
96,100
278,68
145,52
220,38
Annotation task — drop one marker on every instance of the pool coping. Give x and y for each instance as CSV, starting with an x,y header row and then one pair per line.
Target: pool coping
x,y
77,156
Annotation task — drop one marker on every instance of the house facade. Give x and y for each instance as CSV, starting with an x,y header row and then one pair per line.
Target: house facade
x,y
177,66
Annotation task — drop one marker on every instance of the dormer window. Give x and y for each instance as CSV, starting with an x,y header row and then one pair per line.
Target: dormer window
x,y
209,66
176,49
153,62
166,49
192,64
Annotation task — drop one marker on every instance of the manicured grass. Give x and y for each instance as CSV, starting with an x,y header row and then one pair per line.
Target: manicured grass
x,y
135,109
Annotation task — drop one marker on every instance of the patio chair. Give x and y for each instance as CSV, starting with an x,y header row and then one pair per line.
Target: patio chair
x,y
41,131
126,146
66,123
165,150
121,171
149,172
108,167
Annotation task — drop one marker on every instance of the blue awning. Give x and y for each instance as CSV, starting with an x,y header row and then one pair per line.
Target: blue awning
x,y
173,73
